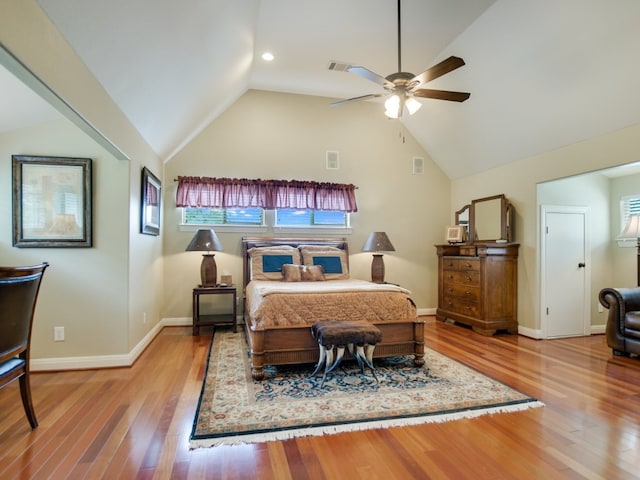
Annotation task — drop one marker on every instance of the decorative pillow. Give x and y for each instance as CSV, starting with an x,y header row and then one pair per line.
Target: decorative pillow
x,y
333,262
267,262
319,248
302,273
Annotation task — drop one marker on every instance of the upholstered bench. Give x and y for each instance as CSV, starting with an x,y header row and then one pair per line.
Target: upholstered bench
x,y
359,337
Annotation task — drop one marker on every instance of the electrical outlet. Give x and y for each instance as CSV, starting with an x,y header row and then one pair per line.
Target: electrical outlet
x,y
58,334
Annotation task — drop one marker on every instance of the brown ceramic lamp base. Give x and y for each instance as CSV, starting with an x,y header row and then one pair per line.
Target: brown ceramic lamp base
x,y
208,270
377,268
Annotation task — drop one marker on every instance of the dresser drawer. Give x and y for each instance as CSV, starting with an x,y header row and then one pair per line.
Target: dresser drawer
x,y
456,263
464,278
458,305
468,292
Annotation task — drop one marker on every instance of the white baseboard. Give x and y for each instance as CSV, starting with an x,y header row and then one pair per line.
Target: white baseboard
x,y
537,334
126,360
105,361
177,322
530,332
108,361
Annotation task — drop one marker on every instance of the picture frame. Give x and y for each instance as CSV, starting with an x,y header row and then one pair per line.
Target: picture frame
x,y
150,203
52,201
456,234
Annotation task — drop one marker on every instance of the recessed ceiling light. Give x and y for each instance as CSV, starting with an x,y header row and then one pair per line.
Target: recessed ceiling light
x,y
267,57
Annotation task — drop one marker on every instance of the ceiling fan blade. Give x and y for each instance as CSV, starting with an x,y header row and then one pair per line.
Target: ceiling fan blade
x,y
357,99
369,75
437,70
441,95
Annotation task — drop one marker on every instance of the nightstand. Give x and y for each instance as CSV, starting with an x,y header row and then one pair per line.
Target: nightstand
x,y
213,319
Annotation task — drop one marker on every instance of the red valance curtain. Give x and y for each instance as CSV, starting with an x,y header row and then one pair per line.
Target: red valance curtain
x,y
267,194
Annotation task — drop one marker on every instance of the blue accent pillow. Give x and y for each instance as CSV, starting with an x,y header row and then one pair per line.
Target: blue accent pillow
x,y
329,264
273,263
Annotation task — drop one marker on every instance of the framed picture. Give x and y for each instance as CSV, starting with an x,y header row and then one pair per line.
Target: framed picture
x,y
51,201
150,203
456,234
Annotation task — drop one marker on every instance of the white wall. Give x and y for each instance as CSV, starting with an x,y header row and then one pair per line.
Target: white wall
x,y
283,136
518,181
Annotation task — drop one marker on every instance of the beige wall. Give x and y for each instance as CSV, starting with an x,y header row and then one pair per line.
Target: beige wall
x,y
283,136
135,263
625,265
518,181
84,290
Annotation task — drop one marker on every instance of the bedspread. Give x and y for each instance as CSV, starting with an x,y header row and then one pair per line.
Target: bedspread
x,y
282,304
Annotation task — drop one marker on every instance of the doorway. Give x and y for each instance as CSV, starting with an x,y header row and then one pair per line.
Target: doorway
x,y
565,271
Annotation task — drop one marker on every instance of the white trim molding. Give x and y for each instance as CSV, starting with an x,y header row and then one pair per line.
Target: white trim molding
x,y
106,361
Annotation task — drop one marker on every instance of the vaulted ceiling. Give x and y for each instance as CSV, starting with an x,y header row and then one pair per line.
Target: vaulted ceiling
x,y
542,73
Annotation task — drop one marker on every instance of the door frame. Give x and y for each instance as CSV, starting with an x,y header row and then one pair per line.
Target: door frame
x,y
544,210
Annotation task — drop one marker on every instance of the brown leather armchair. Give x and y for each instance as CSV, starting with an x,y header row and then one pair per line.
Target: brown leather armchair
x,y
623,323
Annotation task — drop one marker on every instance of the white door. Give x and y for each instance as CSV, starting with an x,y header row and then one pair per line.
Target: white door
x,y
565,307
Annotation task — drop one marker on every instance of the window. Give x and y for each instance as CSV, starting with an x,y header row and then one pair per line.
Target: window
x,y
222,216
629,205
258,217
291,217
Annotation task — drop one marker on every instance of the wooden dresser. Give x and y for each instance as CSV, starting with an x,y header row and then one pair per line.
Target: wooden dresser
x,y
478,285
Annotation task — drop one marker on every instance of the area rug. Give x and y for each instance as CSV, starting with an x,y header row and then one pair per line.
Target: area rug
x,y
234,409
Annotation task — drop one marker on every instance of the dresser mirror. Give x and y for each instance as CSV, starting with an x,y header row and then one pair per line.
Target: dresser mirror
x,y
488,219
462,219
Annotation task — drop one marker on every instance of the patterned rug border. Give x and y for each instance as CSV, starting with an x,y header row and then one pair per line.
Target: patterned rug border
x,y
285,433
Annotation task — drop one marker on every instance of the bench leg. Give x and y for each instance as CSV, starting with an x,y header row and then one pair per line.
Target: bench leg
x,y
321,360
367,358
327,365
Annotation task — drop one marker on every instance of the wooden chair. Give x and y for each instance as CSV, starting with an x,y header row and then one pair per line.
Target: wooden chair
x,y
19,288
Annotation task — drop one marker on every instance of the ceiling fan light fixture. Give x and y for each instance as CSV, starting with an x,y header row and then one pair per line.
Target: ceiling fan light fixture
x,y
392,106
412,105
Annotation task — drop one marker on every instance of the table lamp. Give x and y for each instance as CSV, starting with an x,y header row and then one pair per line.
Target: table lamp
x,y
206,241
632,230
378,242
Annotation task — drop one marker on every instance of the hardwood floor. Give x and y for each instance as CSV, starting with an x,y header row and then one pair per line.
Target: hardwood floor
x,y
135,422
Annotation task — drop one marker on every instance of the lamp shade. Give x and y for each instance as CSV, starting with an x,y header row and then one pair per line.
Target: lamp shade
x,y
378,242
205,241
632,228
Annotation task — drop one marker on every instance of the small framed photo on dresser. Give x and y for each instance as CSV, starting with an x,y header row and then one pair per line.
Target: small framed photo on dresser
x,y
456,234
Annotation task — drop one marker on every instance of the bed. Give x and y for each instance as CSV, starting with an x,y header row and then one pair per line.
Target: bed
x,y
291,283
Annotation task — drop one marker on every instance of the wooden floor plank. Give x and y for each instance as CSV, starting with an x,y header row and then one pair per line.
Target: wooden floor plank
x,y
135,422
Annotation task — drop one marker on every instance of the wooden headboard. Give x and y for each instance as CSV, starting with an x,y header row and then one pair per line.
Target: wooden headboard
x,y
250,242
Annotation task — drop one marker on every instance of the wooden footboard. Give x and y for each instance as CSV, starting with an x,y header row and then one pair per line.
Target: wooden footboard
x,y
295,345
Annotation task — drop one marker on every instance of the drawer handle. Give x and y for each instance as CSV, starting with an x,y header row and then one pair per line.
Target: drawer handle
x,y
450,264
468,293
469,265
468,308
468,278
450,277
450,290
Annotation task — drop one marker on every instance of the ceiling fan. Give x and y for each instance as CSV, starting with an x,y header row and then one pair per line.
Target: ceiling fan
x,y
401,86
